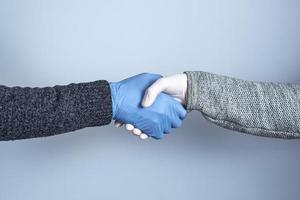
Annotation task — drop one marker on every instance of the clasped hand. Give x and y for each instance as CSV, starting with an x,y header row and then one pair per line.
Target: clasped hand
x,y
149,104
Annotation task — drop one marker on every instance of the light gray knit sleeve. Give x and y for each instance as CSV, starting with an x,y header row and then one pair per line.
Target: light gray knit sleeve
x,y
258,108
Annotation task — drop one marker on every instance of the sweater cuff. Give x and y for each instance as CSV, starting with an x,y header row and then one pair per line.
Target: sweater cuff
x,y
92,103
194,93
104,104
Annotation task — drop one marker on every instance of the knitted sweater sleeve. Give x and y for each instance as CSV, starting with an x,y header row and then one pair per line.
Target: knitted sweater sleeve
x,y
38,112
258,108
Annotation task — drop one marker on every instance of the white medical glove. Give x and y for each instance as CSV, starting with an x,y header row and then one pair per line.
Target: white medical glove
x,y
175,85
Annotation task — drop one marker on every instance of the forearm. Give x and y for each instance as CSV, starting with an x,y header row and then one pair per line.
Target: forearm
x,y
37,112
264,109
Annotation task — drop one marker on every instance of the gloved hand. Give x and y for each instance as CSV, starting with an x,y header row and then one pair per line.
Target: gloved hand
x,y
165,113
175,86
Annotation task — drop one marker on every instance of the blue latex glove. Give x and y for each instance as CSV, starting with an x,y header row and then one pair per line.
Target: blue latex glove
x,y
165,113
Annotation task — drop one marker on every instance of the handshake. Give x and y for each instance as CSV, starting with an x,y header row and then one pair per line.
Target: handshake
x,y
148,104
151,105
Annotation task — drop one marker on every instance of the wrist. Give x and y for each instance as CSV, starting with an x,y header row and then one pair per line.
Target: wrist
x,y
183,81
177,87
113,91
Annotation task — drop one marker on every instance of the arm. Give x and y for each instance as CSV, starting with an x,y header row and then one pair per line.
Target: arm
x,y
37,112
264,109
257,108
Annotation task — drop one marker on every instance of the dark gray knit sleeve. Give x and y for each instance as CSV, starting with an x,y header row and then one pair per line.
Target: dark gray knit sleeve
x,y
38,112
258,108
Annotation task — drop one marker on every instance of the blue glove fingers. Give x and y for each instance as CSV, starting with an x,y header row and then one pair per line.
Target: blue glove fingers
x,y
176,123
181,111
177,114
167,124
175,119
156,127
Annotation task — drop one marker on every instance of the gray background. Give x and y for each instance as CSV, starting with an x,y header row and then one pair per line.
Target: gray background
x,y
43,43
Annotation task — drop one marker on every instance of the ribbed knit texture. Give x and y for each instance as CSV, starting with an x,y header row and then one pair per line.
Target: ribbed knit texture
x,y
258,108
38,112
